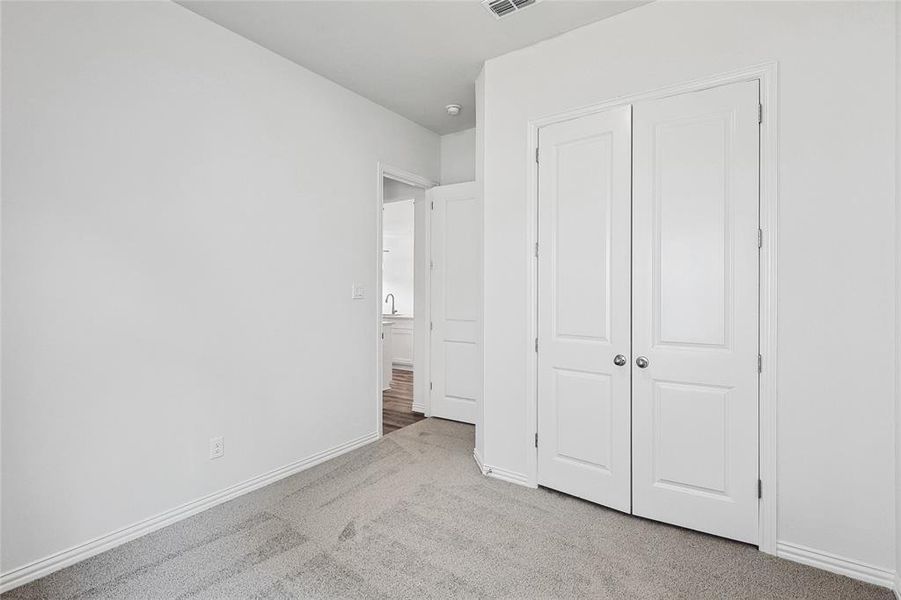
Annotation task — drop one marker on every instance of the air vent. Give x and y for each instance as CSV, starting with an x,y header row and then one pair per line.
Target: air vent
x,y
503,8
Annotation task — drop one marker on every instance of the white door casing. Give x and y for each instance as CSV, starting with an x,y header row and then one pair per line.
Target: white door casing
x,y
455,301
583,307
695,310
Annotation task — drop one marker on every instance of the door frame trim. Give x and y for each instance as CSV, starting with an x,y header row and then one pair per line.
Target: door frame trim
x,y
767,75
382,171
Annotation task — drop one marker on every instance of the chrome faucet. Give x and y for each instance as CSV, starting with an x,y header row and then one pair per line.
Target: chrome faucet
x,y
393,310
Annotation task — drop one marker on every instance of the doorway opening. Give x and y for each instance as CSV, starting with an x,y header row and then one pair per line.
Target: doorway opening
x,y
435,350
403,273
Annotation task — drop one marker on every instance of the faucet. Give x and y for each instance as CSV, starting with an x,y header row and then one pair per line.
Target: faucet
x,y
393,310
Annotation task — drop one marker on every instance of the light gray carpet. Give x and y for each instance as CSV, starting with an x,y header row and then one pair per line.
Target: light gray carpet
x,y
411,517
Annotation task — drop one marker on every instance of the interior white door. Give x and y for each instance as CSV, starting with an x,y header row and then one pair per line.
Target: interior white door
x,y
455,300
694,311
583,307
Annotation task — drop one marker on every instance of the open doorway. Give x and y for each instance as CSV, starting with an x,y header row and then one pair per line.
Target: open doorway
x,y
435,350
403,320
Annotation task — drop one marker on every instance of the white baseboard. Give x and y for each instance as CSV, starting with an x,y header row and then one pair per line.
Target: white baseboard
x,y
70,556
402,365
498,473
504,474
836,564
478,458
418,408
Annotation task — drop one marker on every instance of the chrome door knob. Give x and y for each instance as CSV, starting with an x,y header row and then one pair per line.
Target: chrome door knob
x,y
642,362
619,360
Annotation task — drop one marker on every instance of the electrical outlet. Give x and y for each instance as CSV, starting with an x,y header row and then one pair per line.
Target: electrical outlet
x,y
217,447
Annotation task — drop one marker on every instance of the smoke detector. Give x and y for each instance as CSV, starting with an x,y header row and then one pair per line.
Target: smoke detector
x,y
453,109
503,8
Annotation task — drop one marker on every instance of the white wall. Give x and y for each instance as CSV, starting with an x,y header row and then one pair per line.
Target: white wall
x,y
836,218
397,257
898,299
480,183
184,213
458,157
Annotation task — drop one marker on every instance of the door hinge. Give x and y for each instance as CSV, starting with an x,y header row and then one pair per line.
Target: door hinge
x,y
759,113
430,385
431,265
433,205
536,439
759,489
759,363
536,249
759,238
431,326
536,154
536,344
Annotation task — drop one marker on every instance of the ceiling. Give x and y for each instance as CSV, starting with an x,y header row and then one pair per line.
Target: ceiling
x,y
413,57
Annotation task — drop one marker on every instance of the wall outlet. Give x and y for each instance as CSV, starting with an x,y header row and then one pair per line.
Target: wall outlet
x,y
357,292
217,447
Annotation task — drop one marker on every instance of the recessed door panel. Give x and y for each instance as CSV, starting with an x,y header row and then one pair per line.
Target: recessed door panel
x,y
694,310
691,242
584,403
461,361
461,259
690,437
580,241
583,307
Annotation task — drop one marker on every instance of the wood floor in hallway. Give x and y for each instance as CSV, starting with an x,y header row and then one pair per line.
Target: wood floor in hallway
x,y
397,403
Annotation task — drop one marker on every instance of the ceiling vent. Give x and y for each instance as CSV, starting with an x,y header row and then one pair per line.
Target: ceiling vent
x,y
504,8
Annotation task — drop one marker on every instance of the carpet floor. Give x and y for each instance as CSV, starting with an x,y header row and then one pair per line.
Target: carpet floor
x,y
410,516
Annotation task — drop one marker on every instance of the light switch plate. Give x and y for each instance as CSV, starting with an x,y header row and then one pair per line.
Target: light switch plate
x,y
358,292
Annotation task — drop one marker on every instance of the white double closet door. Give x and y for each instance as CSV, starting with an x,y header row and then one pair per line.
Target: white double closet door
x,y
648,309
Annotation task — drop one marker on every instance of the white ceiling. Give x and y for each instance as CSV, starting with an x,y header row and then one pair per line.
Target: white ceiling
x,y
413,57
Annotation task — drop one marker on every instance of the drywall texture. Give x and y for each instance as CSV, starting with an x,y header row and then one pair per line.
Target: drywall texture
x,y
458,157
836,107
184,214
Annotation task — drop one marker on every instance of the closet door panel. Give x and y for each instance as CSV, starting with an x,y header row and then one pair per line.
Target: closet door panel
x,y
695,310
583,307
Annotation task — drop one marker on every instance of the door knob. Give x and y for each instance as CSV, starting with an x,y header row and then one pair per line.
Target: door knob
x,y
642,362
619,360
